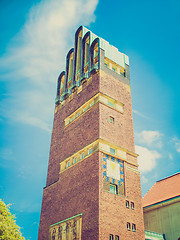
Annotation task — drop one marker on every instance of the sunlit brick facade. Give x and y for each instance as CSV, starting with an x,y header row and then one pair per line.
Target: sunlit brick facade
x,y
93,184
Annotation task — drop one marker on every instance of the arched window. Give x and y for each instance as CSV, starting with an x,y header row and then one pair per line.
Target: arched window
x,y
95,54
85,59
69,69
77,58
61,83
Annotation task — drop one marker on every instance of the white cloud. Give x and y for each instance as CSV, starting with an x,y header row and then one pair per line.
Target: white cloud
x,y
147,159
37,55
144,179
149,138
176,141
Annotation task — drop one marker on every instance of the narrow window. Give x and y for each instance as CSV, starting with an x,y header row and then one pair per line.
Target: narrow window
x,y
77,62
86,41
111,237
62,84
114,69
113,189
134,227
128,226
116,237
94,53
70,69
111,120
68,164
90,151
106,64
112,150
127,204
132,205
124,73
82,155
75,160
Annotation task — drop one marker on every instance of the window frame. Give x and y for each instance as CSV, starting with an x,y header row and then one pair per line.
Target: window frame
x,y
111,119
113,151
90,151
115,188
111,237
133,227
128,226
75,160
132,205
68,163
114,69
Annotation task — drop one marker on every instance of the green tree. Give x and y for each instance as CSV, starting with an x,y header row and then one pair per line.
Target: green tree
x,y
8,227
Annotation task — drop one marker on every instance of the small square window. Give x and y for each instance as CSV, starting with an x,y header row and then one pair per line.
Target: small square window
x,y
128,226
134,227
111,237
113,189
75,160
132,205
112,150
127,204
116,237
111,119
90,151
82,155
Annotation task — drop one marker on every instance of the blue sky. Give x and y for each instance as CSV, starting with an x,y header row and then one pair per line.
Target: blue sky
x,y
35,37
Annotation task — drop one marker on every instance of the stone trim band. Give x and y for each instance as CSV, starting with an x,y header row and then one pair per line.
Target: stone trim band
x,y
102,146
101,98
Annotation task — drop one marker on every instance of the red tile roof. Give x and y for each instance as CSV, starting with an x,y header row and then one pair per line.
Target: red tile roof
x,y
162,190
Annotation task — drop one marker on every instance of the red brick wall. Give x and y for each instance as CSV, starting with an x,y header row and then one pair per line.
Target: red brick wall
x,y
77,189
80,188
113,213
121,133
70,139
76,192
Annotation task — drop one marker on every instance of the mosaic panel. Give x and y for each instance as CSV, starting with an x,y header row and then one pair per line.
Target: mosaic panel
x,y
113,170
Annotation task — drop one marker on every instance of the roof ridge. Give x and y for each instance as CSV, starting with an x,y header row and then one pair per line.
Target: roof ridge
x,y
168,177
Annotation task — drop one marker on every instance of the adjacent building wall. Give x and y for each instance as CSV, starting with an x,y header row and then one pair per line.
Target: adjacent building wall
x,y
164,219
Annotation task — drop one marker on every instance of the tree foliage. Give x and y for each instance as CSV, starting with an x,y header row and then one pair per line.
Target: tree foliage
x,y
8,227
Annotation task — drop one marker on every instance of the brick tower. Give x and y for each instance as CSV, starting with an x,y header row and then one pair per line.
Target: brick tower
x,y
93,183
